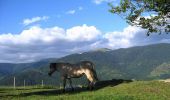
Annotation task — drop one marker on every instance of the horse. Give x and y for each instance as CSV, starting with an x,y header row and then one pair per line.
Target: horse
x,y
68,71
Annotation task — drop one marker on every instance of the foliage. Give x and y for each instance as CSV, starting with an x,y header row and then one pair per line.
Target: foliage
x,y
135,13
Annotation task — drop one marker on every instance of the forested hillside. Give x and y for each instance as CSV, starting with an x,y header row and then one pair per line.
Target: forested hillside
x,y
140,63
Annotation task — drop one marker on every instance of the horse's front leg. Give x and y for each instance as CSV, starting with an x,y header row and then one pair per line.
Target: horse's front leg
x,y
71,84
64,83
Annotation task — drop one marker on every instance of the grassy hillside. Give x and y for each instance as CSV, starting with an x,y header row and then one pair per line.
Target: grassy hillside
x,y
162,71
139,90
141,63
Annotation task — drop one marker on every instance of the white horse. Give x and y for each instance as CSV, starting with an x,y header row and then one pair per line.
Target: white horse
x,y
68,71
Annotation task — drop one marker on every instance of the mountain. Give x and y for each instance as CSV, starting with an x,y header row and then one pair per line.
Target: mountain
x,y
141,63
101,49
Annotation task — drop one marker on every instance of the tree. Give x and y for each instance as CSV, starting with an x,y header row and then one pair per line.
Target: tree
x,y
135,12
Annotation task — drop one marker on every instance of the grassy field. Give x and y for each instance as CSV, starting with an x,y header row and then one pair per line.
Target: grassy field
x,y
138,90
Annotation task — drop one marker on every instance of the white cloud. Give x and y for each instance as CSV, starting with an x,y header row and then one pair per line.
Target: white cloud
x,y
82,33
80,8
32,35
36,33
38,43
101,1
122,39
34,19
71,12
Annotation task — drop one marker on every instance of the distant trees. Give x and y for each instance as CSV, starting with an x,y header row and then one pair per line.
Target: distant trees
x,y
153,15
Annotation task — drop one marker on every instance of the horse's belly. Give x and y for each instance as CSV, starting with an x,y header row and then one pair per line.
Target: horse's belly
x,y
76,74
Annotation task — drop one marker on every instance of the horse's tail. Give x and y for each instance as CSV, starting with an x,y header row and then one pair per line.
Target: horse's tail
x,y
92,68
94,71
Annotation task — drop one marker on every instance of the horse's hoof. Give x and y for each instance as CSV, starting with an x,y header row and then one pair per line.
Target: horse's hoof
x,y
88,88
63,91
72,89
91,88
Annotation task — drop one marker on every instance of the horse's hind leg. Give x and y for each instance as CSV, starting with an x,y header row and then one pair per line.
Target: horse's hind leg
x,y
92,85
71,84
90,78
64,84
88,84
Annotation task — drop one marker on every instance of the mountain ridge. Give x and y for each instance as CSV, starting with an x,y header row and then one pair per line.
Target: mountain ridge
x,y
140,62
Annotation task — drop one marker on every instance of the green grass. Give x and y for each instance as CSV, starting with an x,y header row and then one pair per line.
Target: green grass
x,y
139,90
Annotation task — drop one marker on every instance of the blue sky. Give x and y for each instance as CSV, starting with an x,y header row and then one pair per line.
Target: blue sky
x,y
32,30
85,12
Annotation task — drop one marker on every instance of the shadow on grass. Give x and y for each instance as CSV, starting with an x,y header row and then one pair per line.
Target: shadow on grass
x,y
98,85
23,89
1,92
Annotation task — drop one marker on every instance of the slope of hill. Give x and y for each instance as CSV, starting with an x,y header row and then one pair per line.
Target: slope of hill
x,y
162,71
135,62
141,63
138,90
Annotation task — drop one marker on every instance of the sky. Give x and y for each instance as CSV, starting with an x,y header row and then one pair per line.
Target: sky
x,y
31,30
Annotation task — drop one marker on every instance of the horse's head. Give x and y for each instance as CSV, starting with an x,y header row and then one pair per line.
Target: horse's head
x,y
52,68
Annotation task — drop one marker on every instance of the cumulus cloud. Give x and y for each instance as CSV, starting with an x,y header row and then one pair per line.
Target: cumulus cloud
x,y
80,8
82,33
38,43
122,39
71,12
32,35
100,1
34,19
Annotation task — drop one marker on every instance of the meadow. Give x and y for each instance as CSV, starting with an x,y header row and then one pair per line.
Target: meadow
x,y
137,90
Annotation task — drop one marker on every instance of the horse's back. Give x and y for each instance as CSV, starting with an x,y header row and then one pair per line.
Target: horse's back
x,y
87,64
